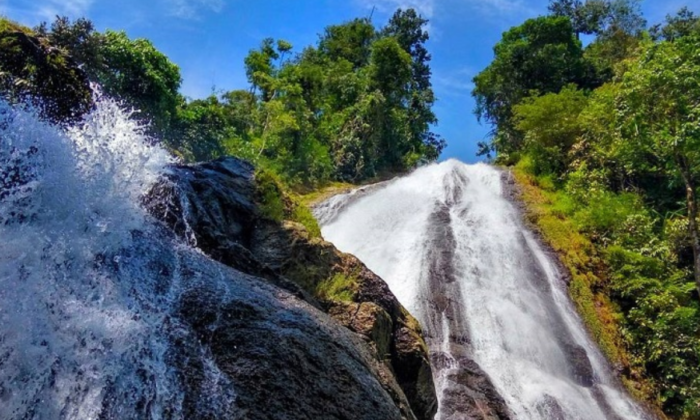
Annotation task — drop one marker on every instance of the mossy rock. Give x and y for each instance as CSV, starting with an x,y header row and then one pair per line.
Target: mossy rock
x,y
277,203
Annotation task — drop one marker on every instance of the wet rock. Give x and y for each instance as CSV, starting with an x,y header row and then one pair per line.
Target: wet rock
x,y
468,392
580,364
369,320
549,408
243,348
213,206
287,360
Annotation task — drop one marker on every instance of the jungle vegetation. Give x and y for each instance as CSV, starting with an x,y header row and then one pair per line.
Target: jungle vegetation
x,y
605,139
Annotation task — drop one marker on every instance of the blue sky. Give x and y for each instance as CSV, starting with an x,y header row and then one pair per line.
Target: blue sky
x,y
209,39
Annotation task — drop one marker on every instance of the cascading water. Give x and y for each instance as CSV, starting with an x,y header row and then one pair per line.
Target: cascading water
x,y
87,293
454,251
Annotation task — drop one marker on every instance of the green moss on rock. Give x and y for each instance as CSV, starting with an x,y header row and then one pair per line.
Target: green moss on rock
x,y
338,288
278,203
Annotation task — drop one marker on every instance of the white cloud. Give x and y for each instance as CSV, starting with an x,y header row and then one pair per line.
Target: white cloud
x,y
49,9
190,9
454,83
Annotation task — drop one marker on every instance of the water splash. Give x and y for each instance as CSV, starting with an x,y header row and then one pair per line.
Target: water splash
x,y
455,253
86,299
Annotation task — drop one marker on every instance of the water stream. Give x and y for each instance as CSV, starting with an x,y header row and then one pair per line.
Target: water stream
x,y
454,251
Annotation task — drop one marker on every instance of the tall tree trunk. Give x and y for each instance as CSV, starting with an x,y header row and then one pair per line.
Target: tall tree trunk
x,y
691,202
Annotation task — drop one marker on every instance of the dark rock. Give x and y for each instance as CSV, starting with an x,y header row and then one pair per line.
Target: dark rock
x,y
469,394
287,360
213,206
580,364
246,349
549,408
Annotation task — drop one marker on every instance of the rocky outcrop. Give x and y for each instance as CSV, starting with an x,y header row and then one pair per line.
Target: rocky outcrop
x,y
30,67
218,206
233,346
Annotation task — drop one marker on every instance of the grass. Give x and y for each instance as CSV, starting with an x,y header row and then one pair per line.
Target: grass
x,y
7,25
311,197
546,210
277,203
338,288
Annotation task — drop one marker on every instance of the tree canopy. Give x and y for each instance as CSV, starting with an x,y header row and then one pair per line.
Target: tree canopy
x,y
542,55
355,105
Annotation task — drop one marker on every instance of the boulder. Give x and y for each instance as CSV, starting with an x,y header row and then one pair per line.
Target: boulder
x,y
217,206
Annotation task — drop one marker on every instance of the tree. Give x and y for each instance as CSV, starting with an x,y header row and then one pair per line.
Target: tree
x,y
624,16
202,127
541,55
601,17
390,72
79,39
260,69
137,72
351,41
132,70
659,108
407,27
586,18
550,126
684,23
30,69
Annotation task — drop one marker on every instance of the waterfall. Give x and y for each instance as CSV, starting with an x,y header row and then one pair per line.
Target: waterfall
x,y
454,251
88,285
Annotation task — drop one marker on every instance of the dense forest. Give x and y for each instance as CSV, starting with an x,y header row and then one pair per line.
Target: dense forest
x,y
605,139
354,106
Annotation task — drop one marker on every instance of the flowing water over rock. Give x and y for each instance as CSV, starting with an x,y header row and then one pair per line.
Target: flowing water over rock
x,y
454,251
106,314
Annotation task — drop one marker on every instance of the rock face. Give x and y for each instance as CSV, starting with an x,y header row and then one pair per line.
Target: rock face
x,y
216,206
284,358
239,348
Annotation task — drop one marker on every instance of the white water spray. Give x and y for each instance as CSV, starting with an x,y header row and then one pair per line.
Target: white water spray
x,y
85,305
453,250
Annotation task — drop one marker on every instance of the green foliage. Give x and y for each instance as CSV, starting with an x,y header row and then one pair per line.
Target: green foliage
x,y
541,55
31,68
662,324
270,196
338,288
259,67
6,25
586,18
551,126
278,204
659,107
606,52
132,70
351,42
684,23
79,39
610,178
601,17
140,74
357,104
